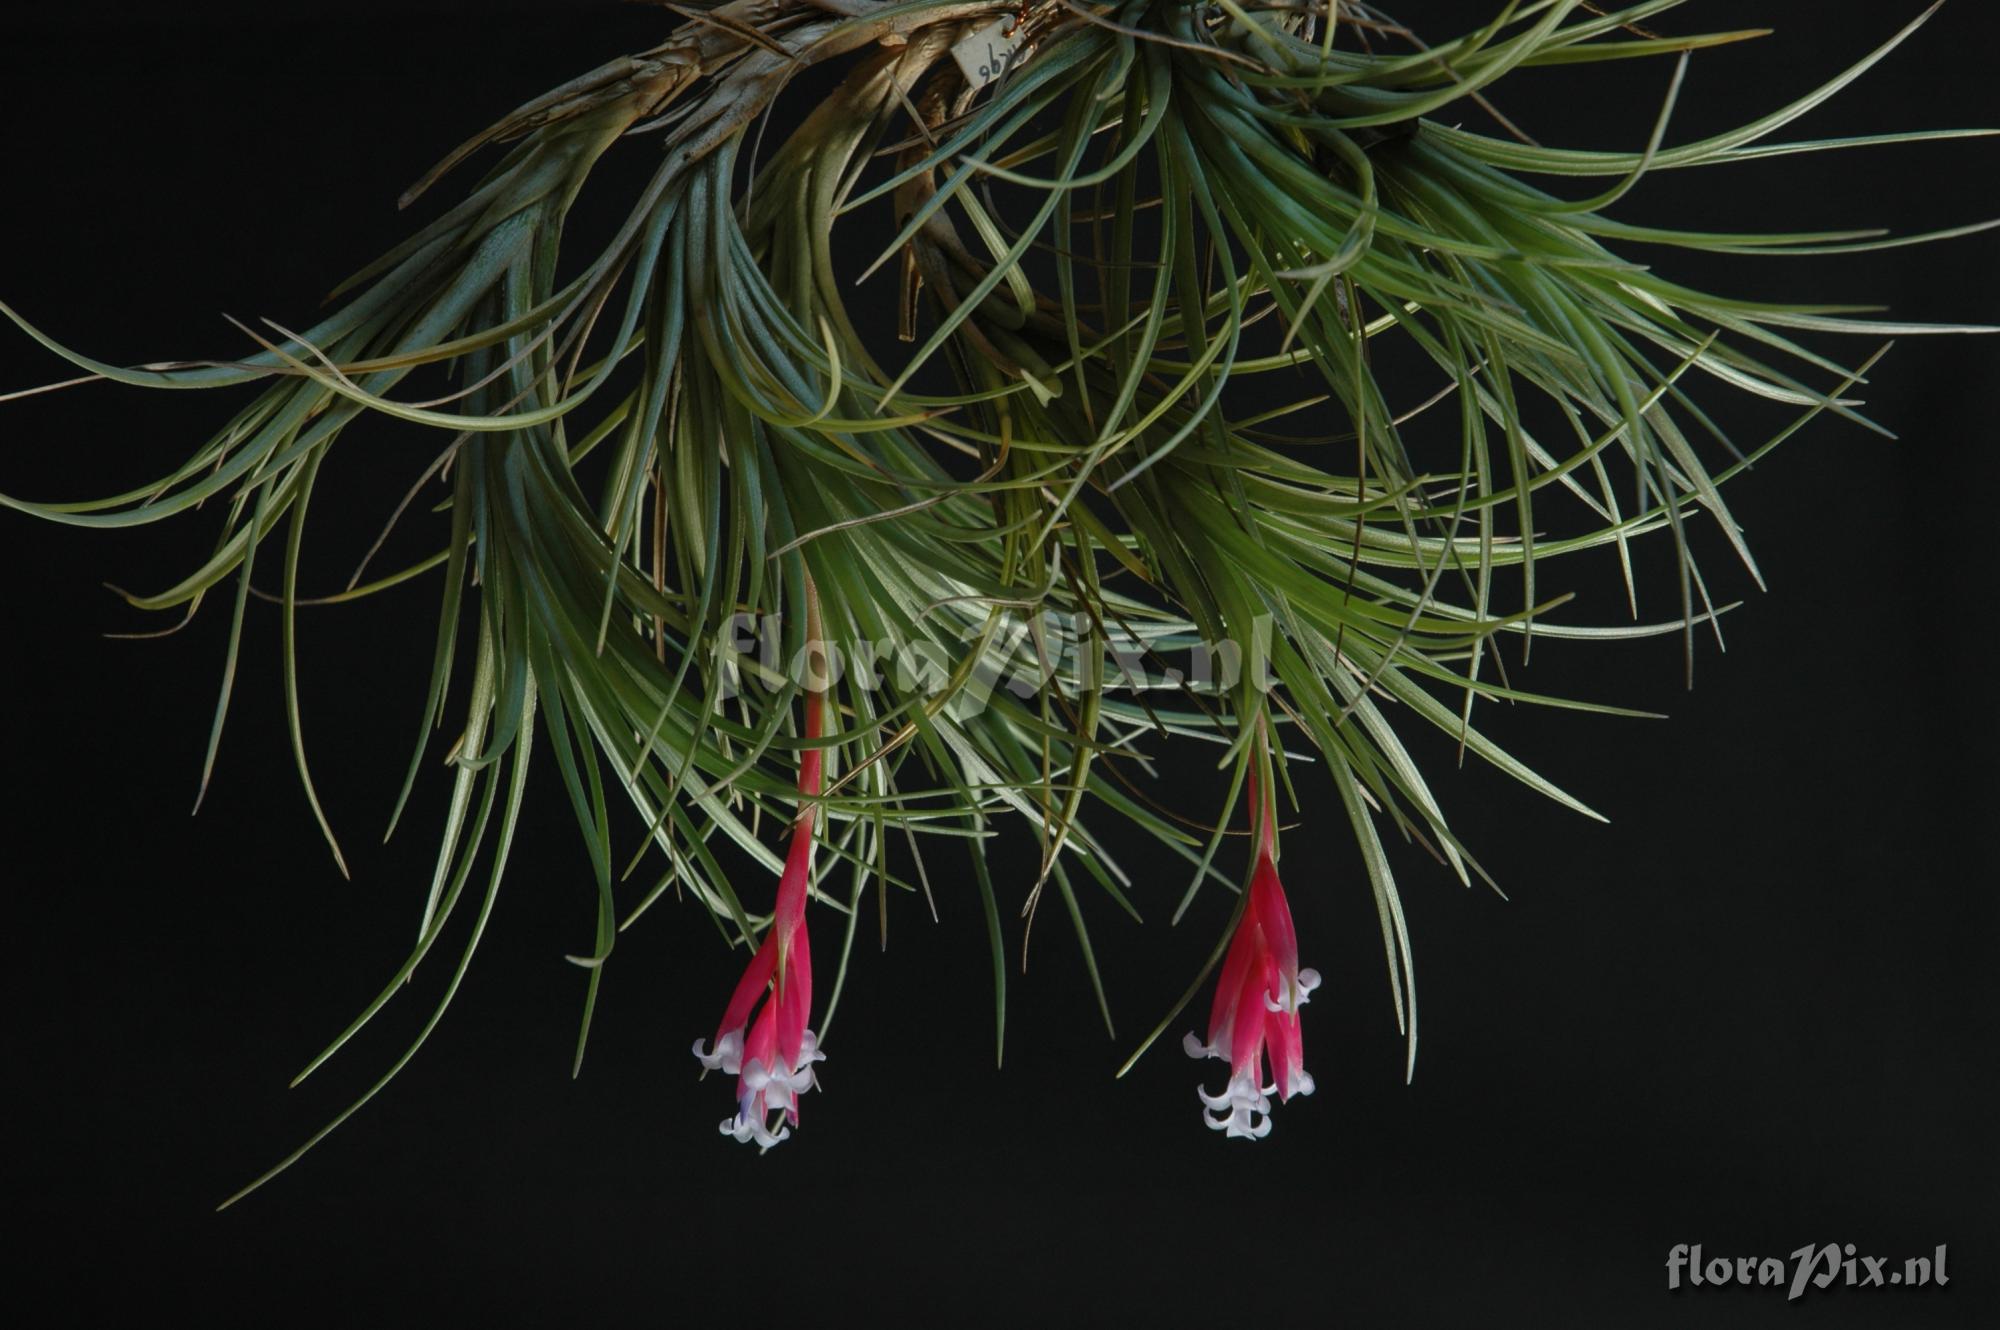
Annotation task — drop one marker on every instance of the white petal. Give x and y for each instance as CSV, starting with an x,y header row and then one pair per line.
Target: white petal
x,y
728,1054
1293,996
760,1132
1248,1109
809,1050
747,1127
1242,1120
1252,1128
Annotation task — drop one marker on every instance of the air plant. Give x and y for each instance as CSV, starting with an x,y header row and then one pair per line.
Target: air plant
x,y
712,546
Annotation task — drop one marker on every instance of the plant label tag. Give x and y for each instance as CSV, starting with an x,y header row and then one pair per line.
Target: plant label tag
x,y
990,52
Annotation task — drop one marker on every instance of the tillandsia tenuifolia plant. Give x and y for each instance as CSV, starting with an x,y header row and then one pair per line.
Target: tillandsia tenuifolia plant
x,y
718,549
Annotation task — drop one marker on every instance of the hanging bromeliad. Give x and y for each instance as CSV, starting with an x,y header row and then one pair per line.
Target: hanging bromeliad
x,y
715,548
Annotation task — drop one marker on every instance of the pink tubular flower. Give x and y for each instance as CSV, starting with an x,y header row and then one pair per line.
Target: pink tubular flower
x,y
773,1062
1257,1001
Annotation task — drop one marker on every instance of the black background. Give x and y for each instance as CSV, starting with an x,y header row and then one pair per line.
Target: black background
x,y
1752,1012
